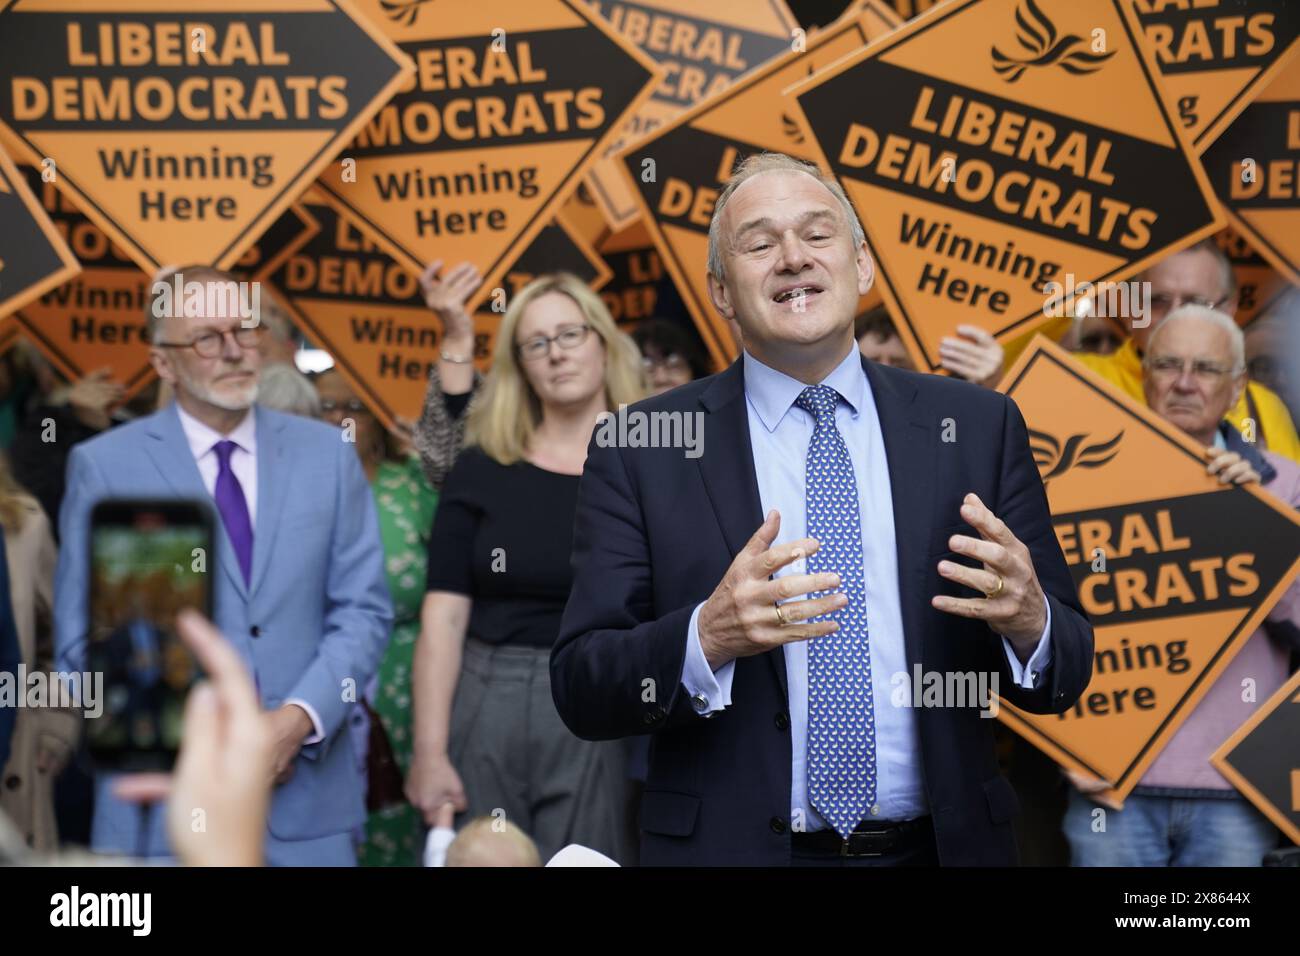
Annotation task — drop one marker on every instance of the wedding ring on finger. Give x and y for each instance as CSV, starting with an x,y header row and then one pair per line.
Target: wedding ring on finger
x,y
780,616
996,591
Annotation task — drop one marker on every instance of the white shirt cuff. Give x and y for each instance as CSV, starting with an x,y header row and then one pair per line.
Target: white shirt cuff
x,y
317,735
1026,675
709,691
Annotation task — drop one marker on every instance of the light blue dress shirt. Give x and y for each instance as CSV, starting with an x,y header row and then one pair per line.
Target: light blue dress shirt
x,y
779,433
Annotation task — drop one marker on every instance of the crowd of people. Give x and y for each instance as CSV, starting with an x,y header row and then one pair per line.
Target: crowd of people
x,y
488,588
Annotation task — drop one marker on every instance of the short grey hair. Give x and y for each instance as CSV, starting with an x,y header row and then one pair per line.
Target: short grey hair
x,y
165,277
1227,274
766,163
1199,313
285,389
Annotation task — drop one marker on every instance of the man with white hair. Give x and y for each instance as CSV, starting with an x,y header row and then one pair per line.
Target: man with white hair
x,y
1198,275
1183,811
299,589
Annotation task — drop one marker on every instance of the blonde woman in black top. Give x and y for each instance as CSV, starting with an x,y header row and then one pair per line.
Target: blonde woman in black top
x,y
488,739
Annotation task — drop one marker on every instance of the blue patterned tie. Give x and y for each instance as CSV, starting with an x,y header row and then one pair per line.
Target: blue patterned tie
x,y
841,719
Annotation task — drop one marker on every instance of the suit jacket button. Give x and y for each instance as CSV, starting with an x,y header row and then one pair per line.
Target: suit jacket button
x,y
777,825
782,720
13,781
649,717
255,631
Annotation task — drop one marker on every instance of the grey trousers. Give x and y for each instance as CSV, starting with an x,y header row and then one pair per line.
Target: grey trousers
x,y
514,754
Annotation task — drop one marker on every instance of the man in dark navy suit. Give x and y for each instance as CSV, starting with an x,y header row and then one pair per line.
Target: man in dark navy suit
x,y
780,661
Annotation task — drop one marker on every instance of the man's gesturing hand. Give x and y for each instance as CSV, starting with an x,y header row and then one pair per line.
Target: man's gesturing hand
x,y
740,618
1017,608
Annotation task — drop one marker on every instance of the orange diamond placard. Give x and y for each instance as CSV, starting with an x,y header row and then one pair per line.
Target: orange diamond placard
x,y
1255,169
991,164
695,155
1262,759
184,134
1215,56
510,104
33,256
702,48
1175,574
363,307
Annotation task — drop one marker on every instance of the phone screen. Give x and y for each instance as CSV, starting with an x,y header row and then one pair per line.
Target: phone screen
x,y
148,560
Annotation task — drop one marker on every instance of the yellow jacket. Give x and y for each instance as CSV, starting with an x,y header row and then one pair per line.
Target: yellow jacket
x,y
1274,429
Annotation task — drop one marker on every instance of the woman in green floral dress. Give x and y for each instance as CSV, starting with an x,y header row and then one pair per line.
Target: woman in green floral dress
x,y
405,503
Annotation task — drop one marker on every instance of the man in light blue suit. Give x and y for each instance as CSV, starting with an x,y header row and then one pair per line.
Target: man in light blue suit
x,y
299,588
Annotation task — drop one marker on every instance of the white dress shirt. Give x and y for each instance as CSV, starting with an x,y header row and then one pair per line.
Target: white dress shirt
x,y
243,460
243,463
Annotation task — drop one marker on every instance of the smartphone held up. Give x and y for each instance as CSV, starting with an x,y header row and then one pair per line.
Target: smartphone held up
x,y
149,559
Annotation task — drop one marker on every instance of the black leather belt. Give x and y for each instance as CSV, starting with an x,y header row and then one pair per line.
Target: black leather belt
x,y
868,839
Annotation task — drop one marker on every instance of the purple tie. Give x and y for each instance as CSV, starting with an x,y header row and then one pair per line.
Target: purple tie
x,y
234,508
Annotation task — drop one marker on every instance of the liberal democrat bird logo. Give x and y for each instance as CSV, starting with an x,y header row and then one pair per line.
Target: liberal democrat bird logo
x,y
1037,36
403,10
1053,458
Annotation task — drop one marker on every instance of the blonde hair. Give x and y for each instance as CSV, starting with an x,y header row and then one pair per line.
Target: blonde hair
x,y
486,842
504,416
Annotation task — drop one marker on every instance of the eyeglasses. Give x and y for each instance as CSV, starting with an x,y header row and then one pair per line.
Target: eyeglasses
x,y
671,363
1207,373
1162,303
539,346
351,405
210,344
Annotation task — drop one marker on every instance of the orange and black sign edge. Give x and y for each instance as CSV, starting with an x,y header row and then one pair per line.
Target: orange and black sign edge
x,y
711,326
1285,267
1043,348
868,8
623,219
1233,108
70,266
292,188
924,21
131,386
52,350
598,264
1221,759
311,227
496,272
1280,262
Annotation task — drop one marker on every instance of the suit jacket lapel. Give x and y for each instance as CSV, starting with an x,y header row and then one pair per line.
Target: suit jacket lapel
x,y
727,467
272,477
170,451
911,452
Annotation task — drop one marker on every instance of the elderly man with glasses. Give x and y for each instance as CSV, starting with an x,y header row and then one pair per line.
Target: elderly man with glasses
x,y
1200,275
1184,812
